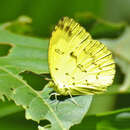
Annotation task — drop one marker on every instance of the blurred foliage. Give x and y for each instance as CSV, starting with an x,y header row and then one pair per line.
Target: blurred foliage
x,y
22,25
117,10
116,120
99,28
46,13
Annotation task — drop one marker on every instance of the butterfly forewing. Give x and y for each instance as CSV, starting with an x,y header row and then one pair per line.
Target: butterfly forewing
x,y
78,64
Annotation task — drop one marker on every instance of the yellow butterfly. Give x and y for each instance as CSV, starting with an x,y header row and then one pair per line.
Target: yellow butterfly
x,y
78,64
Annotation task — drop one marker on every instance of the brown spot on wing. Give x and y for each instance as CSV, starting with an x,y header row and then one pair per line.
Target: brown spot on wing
x,y
67,28
58,51
70,33
56,69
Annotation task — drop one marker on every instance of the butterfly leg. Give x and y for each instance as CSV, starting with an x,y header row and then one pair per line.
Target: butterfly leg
x,y
56,100
72,99
55,94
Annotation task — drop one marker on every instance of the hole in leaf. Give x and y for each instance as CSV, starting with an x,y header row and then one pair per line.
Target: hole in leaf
x,y
36,81
45,123
5,49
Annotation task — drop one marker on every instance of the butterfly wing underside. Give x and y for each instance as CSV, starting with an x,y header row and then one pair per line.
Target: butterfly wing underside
x,y
78,64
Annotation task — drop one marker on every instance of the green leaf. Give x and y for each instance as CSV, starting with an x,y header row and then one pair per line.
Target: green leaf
x,y
37,104
120,48
30,54
115,120
26,53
